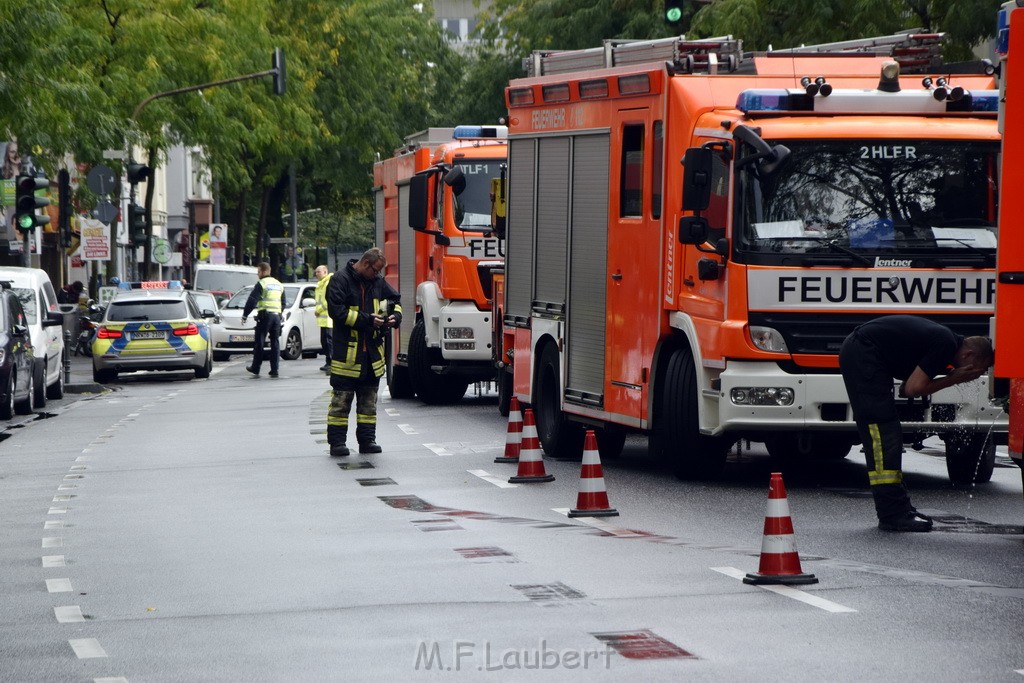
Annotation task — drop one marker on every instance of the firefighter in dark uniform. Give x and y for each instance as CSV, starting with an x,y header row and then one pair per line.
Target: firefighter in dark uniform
x,y
266,297
915,350
363,308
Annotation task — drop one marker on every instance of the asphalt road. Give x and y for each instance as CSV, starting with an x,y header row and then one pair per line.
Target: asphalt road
x,y
173,529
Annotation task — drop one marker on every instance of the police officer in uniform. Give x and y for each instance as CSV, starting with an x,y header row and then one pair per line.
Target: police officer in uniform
x,y
266,297
363,306
323,318
915,350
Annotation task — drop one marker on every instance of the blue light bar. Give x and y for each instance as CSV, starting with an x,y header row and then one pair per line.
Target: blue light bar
x,y
773,99
478,132
1003,32
985,100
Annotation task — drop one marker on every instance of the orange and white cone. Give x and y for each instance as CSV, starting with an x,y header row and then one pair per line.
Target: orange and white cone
x,y
514,435
780,562
592,500
531,462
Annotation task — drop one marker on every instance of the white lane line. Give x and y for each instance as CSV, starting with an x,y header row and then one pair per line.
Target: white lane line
x,y
67,487
57,511
74,476
599,523
68,614
132,415
83,458
392,412
438,449
790,592
86,450
77,468
113,679
408,429
53,542
54,524
59,585
486,476
61,499
87,648
1019,671
53,561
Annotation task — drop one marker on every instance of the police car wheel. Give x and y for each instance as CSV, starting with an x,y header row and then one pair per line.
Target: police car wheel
x,y
7,409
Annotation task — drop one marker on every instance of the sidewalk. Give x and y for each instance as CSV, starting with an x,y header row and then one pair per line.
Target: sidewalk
x,y
80,379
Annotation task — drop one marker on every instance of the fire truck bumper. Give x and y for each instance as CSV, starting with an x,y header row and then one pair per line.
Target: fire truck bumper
x,y
464,333
761,397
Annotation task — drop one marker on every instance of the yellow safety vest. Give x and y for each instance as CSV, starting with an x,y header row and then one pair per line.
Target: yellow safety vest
x,y
273,291
323,318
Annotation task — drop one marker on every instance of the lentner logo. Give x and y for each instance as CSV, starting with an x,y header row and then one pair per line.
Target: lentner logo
x,y
892,263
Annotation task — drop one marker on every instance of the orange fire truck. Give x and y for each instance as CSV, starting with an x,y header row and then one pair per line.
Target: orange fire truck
x,y
432,207
694,230
1010,267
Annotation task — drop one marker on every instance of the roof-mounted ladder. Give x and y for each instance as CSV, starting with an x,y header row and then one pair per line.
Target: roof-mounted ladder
x,y
915,50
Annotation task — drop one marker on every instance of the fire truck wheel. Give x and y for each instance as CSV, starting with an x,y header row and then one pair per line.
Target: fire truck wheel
x,y
504,382
691,455
560,437
970,458
432,388
610,441
399,383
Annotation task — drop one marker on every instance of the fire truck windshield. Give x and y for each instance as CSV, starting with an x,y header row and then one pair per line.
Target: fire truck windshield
x,y
473,205
852,199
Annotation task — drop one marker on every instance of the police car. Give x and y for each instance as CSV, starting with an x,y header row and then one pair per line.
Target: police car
x,y
151,326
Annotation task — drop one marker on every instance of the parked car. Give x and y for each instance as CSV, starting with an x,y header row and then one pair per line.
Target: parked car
x,y
152,329
300,334
17,363
44,318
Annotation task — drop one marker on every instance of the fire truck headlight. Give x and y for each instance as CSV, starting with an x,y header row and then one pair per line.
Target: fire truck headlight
x,y
762,396
458,333
768,339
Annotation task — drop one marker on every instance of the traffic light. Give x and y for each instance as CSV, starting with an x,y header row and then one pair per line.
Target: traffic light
x,y
138,172
26,202
137,223
674,12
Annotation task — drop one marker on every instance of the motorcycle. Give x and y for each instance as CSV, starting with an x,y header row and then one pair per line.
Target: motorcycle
x,y
88,323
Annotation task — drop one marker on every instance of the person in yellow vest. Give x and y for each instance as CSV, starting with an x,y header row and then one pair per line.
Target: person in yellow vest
x,y
267,298
364,308
323,317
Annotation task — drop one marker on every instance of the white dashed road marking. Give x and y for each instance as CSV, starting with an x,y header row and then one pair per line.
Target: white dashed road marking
x,y
438,449
53,542
59,585
53,561
68,614
408,429
87,648
790,592
500,483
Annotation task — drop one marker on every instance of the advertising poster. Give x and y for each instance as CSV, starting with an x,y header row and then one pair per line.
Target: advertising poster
x,y
95,240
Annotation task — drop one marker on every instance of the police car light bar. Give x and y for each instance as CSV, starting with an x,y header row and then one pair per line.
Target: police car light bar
x,y
150,284
479,132
778,100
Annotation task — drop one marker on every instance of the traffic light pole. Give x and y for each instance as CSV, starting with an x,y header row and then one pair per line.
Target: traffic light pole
x,y
277,71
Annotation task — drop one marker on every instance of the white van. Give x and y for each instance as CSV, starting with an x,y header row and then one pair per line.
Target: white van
x,y
223,280
37,296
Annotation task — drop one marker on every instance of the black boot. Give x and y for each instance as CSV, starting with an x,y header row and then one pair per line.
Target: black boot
x,y
339,450
370,447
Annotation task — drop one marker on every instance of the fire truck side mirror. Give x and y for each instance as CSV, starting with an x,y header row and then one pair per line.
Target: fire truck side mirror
x,y
456,180
696,179
693,230
419,201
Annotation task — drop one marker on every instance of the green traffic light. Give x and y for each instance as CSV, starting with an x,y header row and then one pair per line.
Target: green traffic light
x,y
674,14
26,221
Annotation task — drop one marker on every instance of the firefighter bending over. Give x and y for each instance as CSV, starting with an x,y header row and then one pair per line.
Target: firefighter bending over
x,y
362,306
916,351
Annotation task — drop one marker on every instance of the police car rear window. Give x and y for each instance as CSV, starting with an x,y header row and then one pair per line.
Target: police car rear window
x,y
129,311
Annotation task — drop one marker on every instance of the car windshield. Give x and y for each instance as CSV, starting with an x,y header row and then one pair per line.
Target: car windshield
x,y
129,311
27,297
860,198
473,205
223,280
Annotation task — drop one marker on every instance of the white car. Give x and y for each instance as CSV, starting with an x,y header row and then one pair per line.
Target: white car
x,y
300,334
45,319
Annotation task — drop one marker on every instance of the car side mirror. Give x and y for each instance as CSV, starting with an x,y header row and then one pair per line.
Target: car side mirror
x,y
308,302
207,313
53,319
20,331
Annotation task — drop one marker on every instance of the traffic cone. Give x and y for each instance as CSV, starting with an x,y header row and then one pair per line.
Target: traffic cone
x,y
592,500
780,562
531,462
514,435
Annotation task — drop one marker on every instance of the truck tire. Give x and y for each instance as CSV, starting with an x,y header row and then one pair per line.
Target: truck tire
x,y
559,437
400,385
690,454
432,388
970,458
610,441
504,382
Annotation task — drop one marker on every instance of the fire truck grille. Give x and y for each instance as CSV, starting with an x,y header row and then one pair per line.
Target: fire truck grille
x,y
823,333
